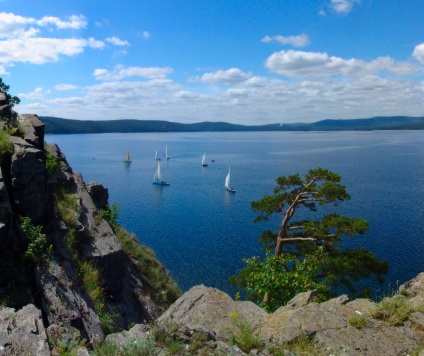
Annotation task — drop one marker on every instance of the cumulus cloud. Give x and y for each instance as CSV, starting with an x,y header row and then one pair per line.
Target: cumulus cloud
x,y
295,41
315,64
69,102
418,53
36,94
74,22
342,6
120,72
64,87
229,76
116,41
21,39
42,50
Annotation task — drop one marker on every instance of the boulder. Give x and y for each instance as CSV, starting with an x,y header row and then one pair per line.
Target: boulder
x,y
22,332
202,306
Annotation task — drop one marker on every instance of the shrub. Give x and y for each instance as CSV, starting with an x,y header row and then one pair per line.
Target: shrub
x,y
358,321
244,337
67,208
110,214
36,240
6,146
52,165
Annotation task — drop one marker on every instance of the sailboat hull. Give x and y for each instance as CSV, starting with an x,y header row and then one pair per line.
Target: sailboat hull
x,y
160,182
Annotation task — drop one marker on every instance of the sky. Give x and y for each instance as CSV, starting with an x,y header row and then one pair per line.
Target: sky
x,y
243,62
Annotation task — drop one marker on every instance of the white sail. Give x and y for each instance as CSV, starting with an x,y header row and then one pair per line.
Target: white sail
x,y
227,181
127,156
156,155
204,159
158,176
166,152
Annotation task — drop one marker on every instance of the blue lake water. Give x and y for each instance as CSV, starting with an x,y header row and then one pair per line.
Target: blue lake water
x,y
201,232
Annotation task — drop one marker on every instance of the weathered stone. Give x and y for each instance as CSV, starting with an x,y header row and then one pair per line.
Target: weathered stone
x,y
99,194
136,332
66,305
301,299
33,130
22,332
28,174
203,305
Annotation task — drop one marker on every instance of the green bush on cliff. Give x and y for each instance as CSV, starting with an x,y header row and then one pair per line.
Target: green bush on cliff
x,y
6,146
52,165
36,240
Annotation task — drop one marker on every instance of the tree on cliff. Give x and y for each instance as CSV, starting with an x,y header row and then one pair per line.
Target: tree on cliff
x,y
10,101
307,253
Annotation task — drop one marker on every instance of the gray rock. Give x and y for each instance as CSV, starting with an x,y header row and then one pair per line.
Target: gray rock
x,y
136,332
22,332
28,174
65,304
34,130
202,305
301,299
99,194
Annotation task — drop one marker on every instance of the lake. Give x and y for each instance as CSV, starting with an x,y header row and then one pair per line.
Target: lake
x,y
201,232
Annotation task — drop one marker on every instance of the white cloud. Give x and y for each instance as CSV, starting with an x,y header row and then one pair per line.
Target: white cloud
x,y
43,50
36,94
343,6
74,22
145,35
418,53
116,41
229,76
69,102
120,72
315,64
237,92
12,26
64,87
295,41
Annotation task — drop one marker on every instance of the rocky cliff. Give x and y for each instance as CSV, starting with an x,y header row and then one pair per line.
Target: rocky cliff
x,y
72,281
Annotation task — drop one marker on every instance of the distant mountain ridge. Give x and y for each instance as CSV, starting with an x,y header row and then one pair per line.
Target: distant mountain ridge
x,y
55,125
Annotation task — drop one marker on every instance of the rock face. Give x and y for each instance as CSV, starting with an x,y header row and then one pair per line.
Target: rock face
x,y
56,283
22,332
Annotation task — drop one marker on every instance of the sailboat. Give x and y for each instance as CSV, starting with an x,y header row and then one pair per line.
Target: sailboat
x,y
158,177
204,164
166,152
227,182
127,158
156,156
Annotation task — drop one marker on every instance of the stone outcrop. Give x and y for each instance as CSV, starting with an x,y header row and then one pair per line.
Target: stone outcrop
x,y
22,332
55,285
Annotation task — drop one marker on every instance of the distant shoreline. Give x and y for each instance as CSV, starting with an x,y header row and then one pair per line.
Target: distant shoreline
x,y
55,125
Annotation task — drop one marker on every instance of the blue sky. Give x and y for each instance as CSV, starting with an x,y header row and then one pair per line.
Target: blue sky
x,y
247,62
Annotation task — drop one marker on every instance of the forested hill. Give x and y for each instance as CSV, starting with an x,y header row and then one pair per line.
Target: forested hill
x,y
56,125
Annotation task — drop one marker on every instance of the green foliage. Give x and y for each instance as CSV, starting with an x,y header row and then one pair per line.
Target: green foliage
x,y
36,240
67,208
12,100
271,276
307,253
52,165
242,334
303,346
110,214
393,310
6,146
358,321
161,285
